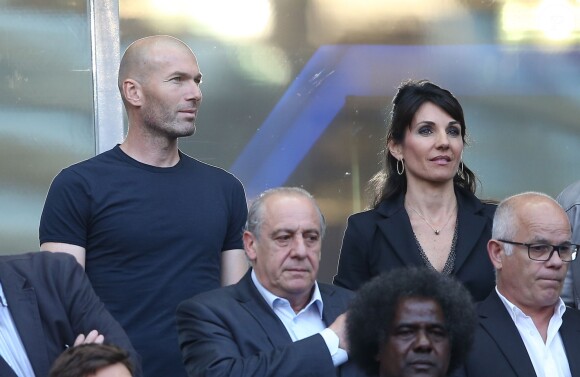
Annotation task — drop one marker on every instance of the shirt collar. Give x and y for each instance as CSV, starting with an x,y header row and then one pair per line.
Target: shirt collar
x,y
271,298
3,300
515,312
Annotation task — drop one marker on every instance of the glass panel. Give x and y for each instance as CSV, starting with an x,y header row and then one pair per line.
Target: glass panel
x,y
296,92
46,108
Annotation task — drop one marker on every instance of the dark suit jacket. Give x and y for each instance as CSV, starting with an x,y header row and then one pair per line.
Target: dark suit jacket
x,y
499,351
51,302
382,239
233,332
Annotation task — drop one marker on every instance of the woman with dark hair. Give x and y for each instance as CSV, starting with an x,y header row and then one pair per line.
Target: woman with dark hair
x,y
424,210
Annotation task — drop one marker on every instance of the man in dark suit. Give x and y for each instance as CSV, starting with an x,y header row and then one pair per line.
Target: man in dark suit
x,y
569,199
277,321
46,305
524,327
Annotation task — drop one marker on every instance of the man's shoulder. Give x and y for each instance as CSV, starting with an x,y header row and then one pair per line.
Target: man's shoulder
x,y
570,196
93,165
218,300
105,157
491,305
333,292
37,261
214,297
206,169
572,315
36,257
569,331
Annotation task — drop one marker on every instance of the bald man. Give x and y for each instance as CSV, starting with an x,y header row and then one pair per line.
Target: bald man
x,y
151,225
524,327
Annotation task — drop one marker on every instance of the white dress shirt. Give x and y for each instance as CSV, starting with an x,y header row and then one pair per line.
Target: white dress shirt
x,y
11,347
305,323
549,358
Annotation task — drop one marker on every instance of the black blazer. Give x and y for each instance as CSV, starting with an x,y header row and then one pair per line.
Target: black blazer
x,y
382,239
233,332
51,302
499,351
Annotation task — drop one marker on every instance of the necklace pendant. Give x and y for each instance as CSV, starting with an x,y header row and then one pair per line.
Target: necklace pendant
x,y
437,232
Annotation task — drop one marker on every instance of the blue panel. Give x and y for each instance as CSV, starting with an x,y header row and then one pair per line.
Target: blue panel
x,y
334,72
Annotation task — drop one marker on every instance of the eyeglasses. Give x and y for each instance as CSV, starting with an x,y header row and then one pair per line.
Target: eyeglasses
x,y
543,252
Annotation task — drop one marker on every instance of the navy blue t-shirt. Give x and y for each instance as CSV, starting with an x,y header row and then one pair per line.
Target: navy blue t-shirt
x,y
153,237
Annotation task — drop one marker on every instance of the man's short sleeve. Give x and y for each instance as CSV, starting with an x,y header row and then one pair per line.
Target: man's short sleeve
x,y
66,210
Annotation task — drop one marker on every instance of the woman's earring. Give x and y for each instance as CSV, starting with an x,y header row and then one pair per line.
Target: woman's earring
x,y
465,176
402,169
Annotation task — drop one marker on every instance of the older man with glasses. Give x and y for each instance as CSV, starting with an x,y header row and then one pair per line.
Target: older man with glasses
x,y
524,327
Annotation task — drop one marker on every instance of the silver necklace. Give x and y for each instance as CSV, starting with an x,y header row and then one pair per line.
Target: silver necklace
x,y
437,231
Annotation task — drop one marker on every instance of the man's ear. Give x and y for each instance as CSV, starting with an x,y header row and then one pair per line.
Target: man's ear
x,y
395,149
132,92
495,251
250,245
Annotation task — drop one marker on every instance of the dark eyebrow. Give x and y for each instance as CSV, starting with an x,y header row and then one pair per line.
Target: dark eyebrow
x,y
183,74
430,122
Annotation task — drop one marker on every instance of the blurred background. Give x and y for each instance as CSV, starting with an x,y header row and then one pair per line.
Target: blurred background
x,y
296,92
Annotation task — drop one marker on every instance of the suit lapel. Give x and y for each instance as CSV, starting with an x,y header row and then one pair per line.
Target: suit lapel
x,y
23,307
253,302
396,228
575,266
5,370
570,333
331,308
471,226
496,321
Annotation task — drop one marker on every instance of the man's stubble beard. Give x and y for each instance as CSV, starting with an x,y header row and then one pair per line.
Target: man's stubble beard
x,y
169,129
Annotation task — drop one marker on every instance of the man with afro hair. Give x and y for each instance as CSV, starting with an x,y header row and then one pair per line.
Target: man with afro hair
x,y
411,322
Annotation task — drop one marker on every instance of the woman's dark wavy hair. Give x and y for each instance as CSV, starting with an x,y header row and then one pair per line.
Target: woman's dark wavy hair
x,y
410,96
372,311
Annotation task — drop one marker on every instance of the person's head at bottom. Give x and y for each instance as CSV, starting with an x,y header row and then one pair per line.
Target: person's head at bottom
x,y
92,360
411,322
